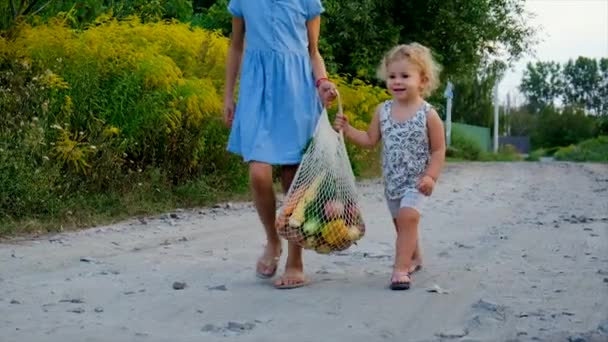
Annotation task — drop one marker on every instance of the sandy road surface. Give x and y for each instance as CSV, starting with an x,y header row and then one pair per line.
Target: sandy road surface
x,y
520,249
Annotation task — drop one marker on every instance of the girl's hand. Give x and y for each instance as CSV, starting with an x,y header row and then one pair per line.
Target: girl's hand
x,y
426,185
327,92
341,122
228,111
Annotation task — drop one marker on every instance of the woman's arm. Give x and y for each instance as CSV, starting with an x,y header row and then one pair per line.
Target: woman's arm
x,y
233,63
318,64
327,90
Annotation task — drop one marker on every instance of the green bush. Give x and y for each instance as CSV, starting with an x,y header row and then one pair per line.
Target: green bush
x,y
592,150
82,13
122,118
536,155
602,126
554,128
506,153
100,115
463,147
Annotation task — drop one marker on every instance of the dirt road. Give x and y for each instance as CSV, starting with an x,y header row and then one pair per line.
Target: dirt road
x,y
517,252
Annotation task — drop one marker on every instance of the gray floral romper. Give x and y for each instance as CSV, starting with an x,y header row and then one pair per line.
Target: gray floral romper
x,y
406,155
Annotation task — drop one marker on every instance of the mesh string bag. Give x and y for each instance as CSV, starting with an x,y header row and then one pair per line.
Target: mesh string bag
x,y
321,209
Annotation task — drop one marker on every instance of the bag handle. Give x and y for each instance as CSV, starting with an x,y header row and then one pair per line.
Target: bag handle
x,y
340,109
325,117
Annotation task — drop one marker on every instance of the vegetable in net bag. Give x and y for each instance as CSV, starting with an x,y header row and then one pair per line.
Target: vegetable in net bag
x,y
320,211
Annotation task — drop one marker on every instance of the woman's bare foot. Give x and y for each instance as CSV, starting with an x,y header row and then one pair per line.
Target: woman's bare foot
x,y
292,278
268,263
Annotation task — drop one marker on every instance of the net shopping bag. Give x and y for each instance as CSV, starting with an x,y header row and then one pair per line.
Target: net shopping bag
x,y
321,211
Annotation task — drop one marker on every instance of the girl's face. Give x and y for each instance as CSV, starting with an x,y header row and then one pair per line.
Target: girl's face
x,y
404,81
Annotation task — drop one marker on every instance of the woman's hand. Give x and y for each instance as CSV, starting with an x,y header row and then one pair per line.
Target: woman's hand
x,y
327,92
228,111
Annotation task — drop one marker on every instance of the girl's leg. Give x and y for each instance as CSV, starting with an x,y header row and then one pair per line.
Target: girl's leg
x,y
417,257
294,267
407,237
260,177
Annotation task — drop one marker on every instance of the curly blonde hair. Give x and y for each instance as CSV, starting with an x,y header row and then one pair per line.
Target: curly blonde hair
x,y
420,56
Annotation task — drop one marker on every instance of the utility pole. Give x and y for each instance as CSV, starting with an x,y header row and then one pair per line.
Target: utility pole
x,y
496,117
448,94
508,115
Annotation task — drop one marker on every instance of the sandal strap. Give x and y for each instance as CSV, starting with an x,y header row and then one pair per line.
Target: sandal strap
x,y
271,262
398,275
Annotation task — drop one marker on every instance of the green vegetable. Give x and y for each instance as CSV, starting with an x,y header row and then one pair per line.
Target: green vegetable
x,y
311,227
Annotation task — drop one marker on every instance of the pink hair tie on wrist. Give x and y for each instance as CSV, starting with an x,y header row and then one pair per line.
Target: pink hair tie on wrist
x,y
318,83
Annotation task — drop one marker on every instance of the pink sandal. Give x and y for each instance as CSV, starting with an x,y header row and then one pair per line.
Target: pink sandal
x,y
286,286
274,265
396,281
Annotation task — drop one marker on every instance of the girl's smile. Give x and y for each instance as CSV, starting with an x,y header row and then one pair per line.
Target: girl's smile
x,y
404,80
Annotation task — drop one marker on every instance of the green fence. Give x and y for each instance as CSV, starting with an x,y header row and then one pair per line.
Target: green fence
x,y
482,135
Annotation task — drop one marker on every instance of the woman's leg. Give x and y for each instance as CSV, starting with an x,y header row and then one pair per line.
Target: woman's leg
x,y
260,177
294,267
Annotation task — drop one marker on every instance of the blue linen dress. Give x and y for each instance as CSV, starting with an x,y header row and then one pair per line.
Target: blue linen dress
x,y
278,104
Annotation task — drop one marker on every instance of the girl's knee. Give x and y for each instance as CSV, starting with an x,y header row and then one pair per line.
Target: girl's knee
x,y
408,217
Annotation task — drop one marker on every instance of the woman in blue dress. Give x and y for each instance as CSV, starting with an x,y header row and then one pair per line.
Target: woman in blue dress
x,y
283,87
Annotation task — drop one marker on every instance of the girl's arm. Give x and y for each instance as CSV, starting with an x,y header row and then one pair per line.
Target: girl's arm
x,y
367,139
437,142
233,63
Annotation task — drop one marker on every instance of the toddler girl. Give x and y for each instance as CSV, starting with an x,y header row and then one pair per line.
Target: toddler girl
x,y
413,147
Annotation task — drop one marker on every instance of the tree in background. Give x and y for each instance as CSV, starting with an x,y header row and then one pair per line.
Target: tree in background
x,y
473,100
213,15
542,84
474,40
580,83
602,87
464,34
566,103
198,6
521,122
603,94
